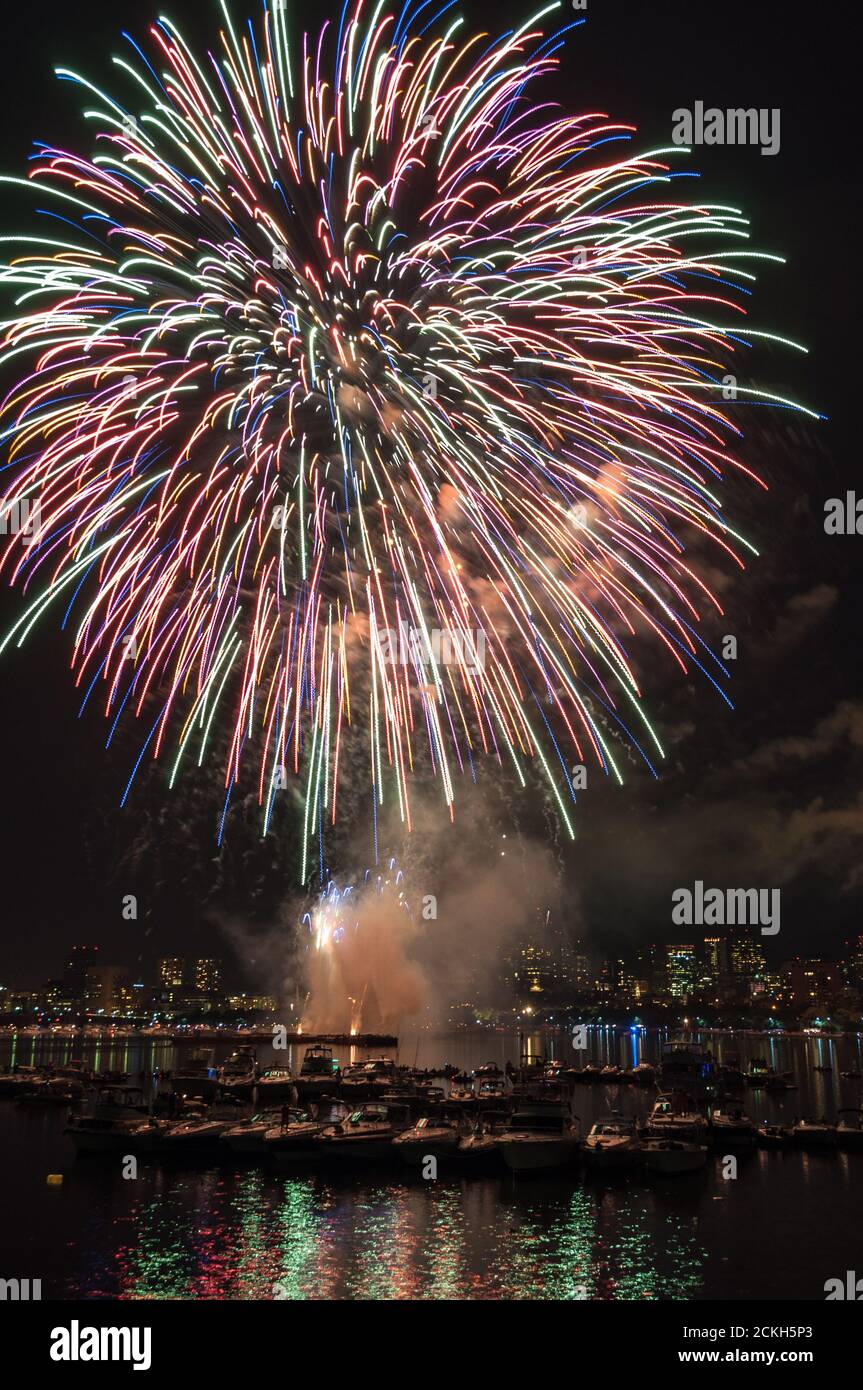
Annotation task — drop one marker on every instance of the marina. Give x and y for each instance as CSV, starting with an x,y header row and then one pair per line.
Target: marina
x,y
548,1183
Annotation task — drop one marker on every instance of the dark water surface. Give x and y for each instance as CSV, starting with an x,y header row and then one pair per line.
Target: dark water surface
x,y
788,1222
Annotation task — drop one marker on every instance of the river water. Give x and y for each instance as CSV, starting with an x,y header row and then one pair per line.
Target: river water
x,y
780,1229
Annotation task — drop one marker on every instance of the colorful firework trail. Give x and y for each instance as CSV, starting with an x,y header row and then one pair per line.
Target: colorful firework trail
x,y
355,334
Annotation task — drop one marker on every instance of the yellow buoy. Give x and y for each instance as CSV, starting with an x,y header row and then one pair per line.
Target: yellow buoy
x,y
54,1179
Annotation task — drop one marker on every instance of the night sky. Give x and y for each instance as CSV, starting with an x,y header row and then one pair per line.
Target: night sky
x,y
766,795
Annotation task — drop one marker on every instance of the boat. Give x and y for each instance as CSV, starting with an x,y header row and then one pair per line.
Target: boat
x,y
644,1074
684,1065
365,1135
197,1076
488,1069
479,1148
730,1074
491,1093
849,1130
729,1125
319,1071
814,1134
823,1066
115,1111
852,1074
461,1093
760,1072
293,1139
613,1144
774,1136
246,1139
430,1137
673,1116
276,1083
185,1138
18,1081
381,1075
541,1134
237,1073
669,1156
52,1090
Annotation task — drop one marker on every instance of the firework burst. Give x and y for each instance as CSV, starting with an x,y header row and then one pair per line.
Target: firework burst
x,y
369,409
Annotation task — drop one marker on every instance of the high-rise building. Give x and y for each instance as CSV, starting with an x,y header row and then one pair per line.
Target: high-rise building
x,y
681,969
812,982
716,956
109,990
208,975
81,960
172,972
854,965
747,955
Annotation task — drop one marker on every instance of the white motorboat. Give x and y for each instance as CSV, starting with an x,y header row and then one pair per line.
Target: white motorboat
x,y
319,1072
237,1073
246,1139
541,1134
613,1144
429,1138
366,1134
294,1138
729,1125
673,1117
277,1083
186,1137
674,1155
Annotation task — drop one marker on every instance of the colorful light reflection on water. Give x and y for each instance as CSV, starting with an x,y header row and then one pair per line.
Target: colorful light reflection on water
x,y
248,1235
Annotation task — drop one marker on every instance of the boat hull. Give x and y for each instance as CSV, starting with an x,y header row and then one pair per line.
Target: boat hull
x,y
530,1154
669,1162
416,1151
611,1160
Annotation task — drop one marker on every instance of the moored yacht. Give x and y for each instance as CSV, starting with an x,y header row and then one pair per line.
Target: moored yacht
x,y
276,1083
435,1137
674,1116
540,1134
491,1093
197,1075
293,1140
194,1136
774,1136
366,1134
319,1072
613,1144
237,1072
729,1125
246,1139
106,1126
